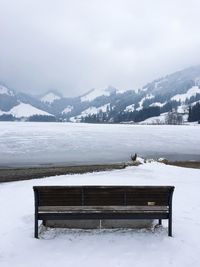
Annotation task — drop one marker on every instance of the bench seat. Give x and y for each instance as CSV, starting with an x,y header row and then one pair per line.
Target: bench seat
x,y
100,209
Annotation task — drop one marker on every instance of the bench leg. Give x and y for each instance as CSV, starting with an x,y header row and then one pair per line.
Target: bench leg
x,y
36,227
170,226
160,221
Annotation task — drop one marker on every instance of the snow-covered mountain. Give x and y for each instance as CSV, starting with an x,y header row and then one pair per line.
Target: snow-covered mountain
x,y
173,95
15,105
68,109
90,111
94,93
193,91
23,110
5,91
50,97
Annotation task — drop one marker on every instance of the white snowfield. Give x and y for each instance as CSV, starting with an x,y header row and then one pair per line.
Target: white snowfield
x,y
130,108
148,96
68,109
194,103
49,98
5,91
95,93
157,104
74,248
90,111
191,92
183,109
25,110
155,120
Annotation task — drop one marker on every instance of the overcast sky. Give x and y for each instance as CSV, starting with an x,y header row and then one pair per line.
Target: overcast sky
x,y
76,45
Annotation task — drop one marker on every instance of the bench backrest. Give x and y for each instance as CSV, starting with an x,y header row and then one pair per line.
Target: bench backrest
x,y
103,195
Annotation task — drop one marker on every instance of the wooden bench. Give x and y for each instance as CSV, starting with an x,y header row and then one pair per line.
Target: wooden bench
x,y
103,202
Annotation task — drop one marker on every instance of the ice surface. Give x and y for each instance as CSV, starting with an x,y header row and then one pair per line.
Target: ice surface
x,y
39,143
74,248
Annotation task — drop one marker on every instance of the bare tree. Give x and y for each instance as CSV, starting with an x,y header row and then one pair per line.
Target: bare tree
x,y
173,118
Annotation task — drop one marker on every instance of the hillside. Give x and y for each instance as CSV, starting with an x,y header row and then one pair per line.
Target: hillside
x,y
173,99
167,100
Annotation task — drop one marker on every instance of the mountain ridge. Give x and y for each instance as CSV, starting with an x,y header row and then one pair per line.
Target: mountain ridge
x,y
109,105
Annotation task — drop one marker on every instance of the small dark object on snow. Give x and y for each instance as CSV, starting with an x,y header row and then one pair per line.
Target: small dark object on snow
x,y
134,157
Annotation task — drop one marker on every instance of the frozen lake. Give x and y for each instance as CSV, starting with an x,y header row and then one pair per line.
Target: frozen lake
x,y
29,143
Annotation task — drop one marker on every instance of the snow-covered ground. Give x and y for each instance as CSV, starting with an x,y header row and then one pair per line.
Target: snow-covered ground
x,y
155,120
71,248
32,143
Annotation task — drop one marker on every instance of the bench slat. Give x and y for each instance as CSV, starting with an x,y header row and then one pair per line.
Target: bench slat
x,y
101,208
102,196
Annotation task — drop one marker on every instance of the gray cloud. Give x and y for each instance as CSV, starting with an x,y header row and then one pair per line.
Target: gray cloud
x,y
73,46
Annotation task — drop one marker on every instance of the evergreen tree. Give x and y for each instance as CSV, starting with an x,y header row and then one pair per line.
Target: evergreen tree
x,y
194,113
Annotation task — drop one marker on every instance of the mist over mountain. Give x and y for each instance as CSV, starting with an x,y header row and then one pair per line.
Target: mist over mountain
x,y
175,94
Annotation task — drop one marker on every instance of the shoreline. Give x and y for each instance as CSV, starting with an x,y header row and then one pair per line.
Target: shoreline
x,y
27,173
185,164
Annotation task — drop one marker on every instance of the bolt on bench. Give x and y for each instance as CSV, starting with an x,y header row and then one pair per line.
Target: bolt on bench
x,y
103,203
